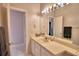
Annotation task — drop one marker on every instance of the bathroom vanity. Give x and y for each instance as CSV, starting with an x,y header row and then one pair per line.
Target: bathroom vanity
x,y
55,47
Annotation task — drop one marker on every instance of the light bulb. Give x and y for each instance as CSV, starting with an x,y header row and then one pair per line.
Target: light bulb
x,y
42,12
47,10
50,7
54,5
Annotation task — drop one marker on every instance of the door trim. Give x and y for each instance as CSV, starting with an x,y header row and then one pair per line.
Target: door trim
x,y
8,22
48,22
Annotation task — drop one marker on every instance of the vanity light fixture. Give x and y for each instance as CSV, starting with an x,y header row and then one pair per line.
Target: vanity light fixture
x,y
47,10
53,7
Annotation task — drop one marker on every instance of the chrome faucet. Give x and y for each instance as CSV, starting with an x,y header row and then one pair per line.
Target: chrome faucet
x,y
52,38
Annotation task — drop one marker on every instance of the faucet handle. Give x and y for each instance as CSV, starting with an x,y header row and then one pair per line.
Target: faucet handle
x,y
52,38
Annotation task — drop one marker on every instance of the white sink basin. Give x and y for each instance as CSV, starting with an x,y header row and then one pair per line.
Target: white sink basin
x,y
54,46
66,53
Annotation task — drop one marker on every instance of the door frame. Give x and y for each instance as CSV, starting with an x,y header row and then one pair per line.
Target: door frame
x,y
48,22
9,26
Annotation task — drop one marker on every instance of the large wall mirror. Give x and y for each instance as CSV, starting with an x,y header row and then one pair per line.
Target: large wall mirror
x,y
57,28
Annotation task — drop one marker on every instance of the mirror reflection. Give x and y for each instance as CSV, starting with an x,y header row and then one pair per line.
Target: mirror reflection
x,y
62,21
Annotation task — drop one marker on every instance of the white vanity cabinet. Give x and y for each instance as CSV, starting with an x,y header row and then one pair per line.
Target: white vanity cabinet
x,y
35,48
38,50
32,47
44,52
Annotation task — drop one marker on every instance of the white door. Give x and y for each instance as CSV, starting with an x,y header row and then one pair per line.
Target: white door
x,y
17,30
58,26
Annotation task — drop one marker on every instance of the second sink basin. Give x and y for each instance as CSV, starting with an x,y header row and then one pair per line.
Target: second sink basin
x,y
66,53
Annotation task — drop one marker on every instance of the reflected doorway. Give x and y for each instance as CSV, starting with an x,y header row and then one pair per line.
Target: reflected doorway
x,y
51,26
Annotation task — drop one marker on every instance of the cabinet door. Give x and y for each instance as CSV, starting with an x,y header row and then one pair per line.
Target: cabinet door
x,y
32,47
44,52
37,49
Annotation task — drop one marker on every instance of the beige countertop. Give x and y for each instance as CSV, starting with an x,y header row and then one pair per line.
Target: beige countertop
x,y
54,47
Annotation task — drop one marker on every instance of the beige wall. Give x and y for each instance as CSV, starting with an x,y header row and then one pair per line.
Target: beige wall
x,y
44,24
70,14
3,22
5,25
30,7
0,14
33,11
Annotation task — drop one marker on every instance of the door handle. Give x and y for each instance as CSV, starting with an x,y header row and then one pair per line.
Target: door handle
x,y
9,43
